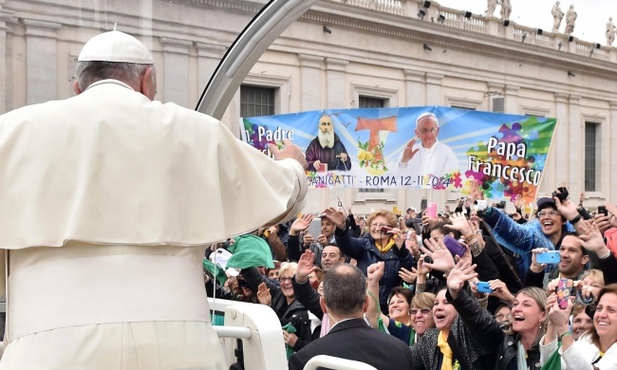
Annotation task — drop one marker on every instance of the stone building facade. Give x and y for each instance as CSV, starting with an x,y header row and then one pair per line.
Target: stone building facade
x,y
344,54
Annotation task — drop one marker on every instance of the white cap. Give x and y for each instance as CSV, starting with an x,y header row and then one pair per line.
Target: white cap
x,y
115,46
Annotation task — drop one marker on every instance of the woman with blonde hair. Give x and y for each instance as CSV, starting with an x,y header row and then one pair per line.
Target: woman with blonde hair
x,y
384,242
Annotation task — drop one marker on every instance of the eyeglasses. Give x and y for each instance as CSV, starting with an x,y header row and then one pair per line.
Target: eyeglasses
x,y
552,212
379,226
429,130
500,316
284,279
424,311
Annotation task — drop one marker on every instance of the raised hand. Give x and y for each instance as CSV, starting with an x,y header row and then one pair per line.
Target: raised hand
x,y
500,290
593,241
441,256
263,294
408,276
411,243
535,266
459,275
305,266
602,222
336,216
321,239
375,271
289,151
409,152
301,223
610,207
460,224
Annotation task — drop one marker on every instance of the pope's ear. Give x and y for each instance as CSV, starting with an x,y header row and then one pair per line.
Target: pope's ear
x,y
76,87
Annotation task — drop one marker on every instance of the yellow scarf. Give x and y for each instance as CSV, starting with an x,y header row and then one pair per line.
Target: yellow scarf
x,y
446,351
387,247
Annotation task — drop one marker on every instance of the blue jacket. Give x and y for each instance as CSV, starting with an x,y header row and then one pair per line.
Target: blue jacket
x,y
519,238
364,250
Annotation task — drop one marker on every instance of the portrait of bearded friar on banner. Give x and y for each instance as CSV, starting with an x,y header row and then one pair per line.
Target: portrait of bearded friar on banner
x,y
326,152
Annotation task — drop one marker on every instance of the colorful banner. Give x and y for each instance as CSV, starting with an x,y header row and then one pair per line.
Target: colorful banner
x,y
383,148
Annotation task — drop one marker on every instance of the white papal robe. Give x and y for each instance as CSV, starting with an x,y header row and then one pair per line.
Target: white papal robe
x,y
108,201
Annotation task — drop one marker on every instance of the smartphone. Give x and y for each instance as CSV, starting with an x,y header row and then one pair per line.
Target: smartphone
x,y
564,288
314,228
550,257
602,210
431,210
386,230
454,246
483,287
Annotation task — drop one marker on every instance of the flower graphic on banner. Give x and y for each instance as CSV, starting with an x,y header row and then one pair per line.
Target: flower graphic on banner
x,y
372,158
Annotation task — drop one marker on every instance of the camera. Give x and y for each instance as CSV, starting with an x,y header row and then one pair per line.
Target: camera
x,y
563,194
386,230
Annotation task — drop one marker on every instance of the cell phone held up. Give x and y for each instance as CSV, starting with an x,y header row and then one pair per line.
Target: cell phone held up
x,y
602,210
386,230
564,288
454,246
562,195
484,287
549,257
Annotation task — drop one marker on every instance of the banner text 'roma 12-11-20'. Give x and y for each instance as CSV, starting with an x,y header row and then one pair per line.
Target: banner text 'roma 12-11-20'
x,y
385,148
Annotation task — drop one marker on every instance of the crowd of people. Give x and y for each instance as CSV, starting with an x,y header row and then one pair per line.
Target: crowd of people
x,y
497,303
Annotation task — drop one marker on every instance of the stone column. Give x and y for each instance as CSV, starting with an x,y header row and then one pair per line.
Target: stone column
x,y
511,103
310,81
576,158
609,143
5,97
415,94
559,151
41,56
208,57
434,97
175,71
414,87
433,89
336,93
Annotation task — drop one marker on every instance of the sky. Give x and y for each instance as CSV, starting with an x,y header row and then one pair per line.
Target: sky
x,y
590,25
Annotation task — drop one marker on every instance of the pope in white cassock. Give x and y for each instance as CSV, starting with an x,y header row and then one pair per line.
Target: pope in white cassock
x,y
108,202
430,156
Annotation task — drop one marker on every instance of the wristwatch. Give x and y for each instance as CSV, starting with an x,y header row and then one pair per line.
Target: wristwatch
x,y
575,219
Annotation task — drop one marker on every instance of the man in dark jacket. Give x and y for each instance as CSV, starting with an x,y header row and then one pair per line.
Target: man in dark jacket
x,y
345,301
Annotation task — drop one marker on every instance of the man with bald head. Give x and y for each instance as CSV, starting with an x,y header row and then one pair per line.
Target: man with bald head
x,y
430,156
106,230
